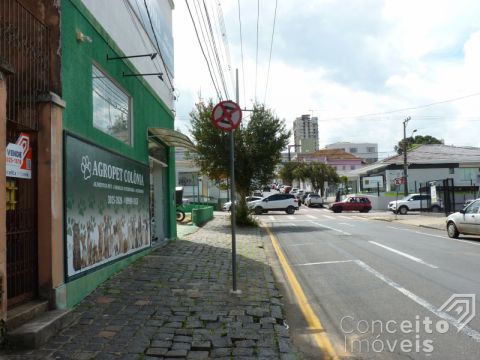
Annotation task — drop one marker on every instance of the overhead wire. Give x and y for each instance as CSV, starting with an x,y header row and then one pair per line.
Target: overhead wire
x,y
206,39
256,54
217,57
158,46
241,50
203,51
405,109
223,32
271,47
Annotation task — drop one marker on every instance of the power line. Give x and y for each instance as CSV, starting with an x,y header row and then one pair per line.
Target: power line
x,y
215,50
407,109
203,52
158,45
256,56
223,32
204,33
271,47
241,50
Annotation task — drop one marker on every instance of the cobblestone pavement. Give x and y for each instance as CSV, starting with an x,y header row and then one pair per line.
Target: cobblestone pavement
x,y
175,303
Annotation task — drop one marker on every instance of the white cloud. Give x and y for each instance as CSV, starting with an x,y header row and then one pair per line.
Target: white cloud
x,y
347,58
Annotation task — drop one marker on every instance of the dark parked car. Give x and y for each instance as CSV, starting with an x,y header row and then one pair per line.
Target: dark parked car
x,y
352,203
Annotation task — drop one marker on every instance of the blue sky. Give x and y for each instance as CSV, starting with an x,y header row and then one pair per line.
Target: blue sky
x,y
338,60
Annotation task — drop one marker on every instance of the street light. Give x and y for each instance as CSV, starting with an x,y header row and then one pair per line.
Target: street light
x,y
405,166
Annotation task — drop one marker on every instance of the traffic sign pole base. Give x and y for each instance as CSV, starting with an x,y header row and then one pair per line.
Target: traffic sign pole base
x,y
235,292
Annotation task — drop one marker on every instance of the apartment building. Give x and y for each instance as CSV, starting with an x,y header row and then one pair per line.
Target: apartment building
x,y
305,134
368,152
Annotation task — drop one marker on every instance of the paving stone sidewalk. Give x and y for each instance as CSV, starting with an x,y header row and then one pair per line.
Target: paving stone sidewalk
x,y
175,303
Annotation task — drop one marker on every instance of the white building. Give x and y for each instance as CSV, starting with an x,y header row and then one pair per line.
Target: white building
x,y
368,152
305,133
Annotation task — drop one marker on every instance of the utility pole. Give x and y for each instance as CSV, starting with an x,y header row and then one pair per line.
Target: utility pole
x,y
405,165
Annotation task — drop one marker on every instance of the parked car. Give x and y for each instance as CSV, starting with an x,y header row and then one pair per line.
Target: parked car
x,y
468,202
281,202
314,200
466,221
413,202
352,203
228,204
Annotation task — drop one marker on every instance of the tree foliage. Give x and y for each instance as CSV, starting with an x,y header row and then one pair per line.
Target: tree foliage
x,y
317,174
258,145
287,172
414,141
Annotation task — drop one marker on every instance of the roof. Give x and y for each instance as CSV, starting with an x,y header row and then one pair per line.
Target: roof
x,y
172,138
329,154
438,153
427,154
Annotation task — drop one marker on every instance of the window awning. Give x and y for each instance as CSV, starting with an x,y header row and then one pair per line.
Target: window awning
x,y
171,138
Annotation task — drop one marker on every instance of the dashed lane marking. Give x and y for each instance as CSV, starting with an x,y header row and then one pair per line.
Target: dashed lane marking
x,y
408,256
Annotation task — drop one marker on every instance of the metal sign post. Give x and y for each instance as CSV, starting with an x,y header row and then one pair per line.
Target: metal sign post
x,y
226,116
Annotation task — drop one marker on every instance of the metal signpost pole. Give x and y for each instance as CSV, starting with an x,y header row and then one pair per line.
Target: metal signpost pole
x,y
232,207
226,116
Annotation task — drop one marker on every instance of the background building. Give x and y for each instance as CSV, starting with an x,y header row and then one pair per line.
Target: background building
x,y
305,133
368,152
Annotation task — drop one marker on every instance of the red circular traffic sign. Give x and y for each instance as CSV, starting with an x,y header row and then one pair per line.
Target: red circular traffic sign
x,y
226,115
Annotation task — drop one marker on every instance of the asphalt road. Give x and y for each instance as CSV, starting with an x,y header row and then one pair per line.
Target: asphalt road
x,y
383,291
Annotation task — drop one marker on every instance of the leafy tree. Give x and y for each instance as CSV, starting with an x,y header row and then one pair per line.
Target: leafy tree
x,y
414,141
317,174
258,145
288,172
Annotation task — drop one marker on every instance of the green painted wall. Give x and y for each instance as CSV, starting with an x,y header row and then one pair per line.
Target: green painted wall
x,y
148,111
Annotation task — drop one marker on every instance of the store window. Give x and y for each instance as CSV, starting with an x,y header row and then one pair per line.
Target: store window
x,y
111,107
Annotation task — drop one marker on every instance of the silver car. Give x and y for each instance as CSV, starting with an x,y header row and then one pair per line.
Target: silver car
x,y
466,221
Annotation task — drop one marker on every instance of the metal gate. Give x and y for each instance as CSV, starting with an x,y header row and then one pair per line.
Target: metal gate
x,y
445,193
24,45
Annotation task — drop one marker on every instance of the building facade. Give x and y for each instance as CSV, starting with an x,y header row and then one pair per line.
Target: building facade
x,y
305,134
368,152
90,163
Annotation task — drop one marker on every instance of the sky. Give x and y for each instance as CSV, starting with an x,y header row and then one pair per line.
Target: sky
x,y
360,66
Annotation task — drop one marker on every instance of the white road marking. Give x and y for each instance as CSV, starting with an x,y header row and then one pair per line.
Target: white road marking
x,y
411,257
311,217
330,228
326,262
271,217
344,217
290,217
393,227
347,224
328,217
425,304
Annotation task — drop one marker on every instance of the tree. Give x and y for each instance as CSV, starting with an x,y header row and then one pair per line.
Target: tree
x,y
414,141
288,172
317,174
258,145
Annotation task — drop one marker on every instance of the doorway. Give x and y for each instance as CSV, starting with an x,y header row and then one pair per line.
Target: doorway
x,y
158,205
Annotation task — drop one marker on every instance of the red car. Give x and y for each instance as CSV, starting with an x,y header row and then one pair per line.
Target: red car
x,y
352,203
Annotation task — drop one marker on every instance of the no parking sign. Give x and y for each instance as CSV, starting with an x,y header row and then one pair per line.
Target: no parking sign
x,y
226,115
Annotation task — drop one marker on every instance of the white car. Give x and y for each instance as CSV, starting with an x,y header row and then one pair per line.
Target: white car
x,y
228,204
313,200
281,202
466,221
413,202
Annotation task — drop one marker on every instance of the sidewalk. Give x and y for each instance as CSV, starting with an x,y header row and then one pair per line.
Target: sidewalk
x,y
176,303
431,221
